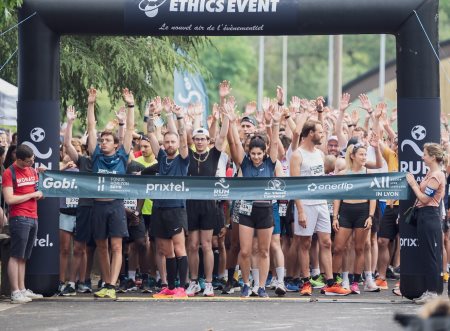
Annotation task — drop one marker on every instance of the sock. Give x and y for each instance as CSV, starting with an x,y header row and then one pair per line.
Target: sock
x,y
335,275
158,275
368,276
132,274
330,282
305,279
345,276
230,275
255,275
72,284
182,263
280,273
351,278
315,272
356,278
171,267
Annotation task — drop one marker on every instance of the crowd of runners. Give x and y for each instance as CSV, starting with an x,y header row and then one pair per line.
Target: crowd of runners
x,y
176,248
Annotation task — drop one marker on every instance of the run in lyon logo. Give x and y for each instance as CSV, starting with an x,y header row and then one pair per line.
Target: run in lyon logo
x,y
418,133
151,7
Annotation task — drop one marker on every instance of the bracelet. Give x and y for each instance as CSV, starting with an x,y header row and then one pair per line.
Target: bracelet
x,y
130,106
180,118
268,126
371,216
121,124
350,125
145,119
280,104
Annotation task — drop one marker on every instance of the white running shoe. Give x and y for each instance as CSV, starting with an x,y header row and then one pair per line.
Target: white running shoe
x,y
273,283
209,290
193,289
254,292
346,284
370,286
18,297
30,294
280,289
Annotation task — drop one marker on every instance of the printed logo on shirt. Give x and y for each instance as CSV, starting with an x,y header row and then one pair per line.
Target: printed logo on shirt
x,y
26,181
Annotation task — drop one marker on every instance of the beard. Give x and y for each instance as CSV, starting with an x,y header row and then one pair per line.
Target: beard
x,y
171,151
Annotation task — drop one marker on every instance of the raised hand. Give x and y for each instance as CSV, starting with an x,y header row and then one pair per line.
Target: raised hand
x,y
295,103
198,109
265,104
128,96
374,140
71,114
250,108
280,95
393,117
320,101
355,117
304,104
121,115
365,102
177,110
232,102
379,109
345,102
151,108
276,114
92,95
224,88
166,105
216,111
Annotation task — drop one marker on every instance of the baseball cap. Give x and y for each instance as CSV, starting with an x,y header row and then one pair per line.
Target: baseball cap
x,y
200,131
249,119
335,138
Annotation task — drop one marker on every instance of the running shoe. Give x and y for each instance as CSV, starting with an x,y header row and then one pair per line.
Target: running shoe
x,y
201,282
228,289
245,291
110,293
100,293
83,288
219,283
381,283
273,283
254,292
100,284
293,285
30,294
138,280
165,293
335,289
131,285
317,283
262,293
370,286
306,289
193,288
390,274
354,288
69,291
124,284
180,293
61,287
425,297
18,297
339,279
280,290
346,284
146,285
209,290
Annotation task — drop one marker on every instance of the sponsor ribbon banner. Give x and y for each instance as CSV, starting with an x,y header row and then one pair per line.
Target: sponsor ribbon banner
x,y
220,17
86,185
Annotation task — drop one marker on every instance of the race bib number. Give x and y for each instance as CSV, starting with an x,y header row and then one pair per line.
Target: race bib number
x,y
130,204
282,209
245,208
317,170
72,202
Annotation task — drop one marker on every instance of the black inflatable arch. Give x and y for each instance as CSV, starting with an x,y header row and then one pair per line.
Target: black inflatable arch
x,y
38,106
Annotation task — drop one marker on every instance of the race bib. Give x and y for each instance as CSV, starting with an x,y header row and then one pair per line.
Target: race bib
x,y
245,208
130,204
282,209
72,202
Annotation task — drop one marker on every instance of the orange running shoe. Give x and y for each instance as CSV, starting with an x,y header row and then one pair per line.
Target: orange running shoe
x,y
381,283
306,289
336,289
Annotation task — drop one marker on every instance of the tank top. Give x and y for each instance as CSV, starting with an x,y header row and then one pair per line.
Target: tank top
x,y
312,165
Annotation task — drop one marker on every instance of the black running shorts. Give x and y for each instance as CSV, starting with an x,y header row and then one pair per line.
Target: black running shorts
x,y
353,215
260,218
167,222
389,225
109,219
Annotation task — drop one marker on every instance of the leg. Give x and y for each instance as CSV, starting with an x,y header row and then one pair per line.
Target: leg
x,y
208,256
383,256
340,242
193,245
13,273
325,253
264,236
246,241
103,259
305,245
64,253
361,239
116,259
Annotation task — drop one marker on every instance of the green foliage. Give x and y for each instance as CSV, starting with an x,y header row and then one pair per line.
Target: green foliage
x,y
7,8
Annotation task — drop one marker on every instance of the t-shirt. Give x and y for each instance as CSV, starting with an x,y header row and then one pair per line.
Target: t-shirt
x,y
436,199
265,169
312,165
110,164
204,164
148,204
173,167
26,180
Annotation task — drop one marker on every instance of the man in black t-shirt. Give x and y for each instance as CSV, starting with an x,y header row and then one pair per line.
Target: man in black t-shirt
x,y
202,213
169,219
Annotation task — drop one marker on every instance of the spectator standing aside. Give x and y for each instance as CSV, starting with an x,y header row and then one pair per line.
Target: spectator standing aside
x,y
19,191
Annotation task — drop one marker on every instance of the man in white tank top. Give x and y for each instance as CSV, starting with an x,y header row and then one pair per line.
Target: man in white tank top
x,y
311,216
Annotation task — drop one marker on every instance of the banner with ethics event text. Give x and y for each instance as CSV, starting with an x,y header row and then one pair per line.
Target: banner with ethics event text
x,y
87,185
